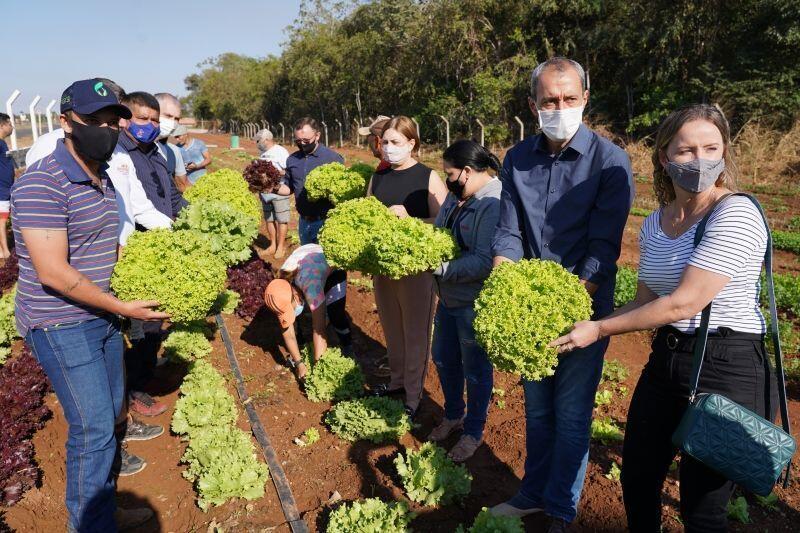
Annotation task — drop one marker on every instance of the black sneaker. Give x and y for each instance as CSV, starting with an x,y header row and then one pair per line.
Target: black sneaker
x,y
127,464
137,430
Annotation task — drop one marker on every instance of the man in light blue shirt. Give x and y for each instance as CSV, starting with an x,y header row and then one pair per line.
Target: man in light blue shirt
x,y
195,154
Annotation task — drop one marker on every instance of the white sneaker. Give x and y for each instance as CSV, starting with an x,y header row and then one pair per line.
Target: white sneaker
x,y
506,509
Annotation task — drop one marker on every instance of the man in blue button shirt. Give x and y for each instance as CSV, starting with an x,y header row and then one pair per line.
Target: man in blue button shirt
x,y
310,155
566,196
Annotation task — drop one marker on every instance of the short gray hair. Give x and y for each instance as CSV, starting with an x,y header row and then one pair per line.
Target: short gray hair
x,y
167,97
560,64
263,135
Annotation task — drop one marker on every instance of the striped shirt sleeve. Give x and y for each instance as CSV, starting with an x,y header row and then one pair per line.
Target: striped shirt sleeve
x,y
733,234
39,202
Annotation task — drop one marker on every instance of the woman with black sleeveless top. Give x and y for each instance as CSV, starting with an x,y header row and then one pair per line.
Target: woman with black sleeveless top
x,y
406,305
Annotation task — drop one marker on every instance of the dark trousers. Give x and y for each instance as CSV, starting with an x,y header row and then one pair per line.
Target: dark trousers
x,y
736,366
335,286
140,359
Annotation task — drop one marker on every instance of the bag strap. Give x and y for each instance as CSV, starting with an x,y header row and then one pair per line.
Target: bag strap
x,y
705,318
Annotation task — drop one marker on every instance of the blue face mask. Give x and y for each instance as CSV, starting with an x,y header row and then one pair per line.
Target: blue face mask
x,y
299,309
144,133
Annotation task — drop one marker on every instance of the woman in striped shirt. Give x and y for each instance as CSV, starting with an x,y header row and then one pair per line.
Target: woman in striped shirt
x,y
693,171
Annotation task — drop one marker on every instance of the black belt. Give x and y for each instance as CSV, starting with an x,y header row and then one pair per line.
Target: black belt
x,y
314,218
677,340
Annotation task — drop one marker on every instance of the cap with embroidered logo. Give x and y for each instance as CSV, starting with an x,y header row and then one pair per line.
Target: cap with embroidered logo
x,y
89,96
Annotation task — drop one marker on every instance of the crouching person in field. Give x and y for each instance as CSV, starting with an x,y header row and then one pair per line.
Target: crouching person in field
x,y
470,212
566,197
306,278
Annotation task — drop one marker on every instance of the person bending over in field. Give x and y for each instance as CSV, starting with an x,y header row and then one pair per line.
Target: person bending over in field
x,y
306,279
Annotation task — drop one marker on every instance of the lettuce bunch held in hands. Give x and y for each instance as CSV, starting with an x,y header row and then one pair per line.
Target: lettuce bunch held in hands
x,y
227,186
522,308
335,183
364,235
370,515
373,419
229,231
176,268
334,377
261,175
364,169
432,478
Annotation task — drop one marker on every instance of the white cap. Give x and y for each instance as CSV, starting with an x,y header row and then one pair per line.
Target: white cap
x,y
375,127
263,135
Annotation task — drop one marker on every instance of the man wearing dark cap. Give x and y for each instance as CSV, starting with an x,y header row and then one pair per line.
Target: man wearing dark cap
x,y
65,222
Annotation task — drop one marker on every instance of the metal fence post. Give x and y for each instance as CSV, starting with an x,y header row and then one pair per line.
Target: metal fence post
x,y
34,117
283,132
10,113
483,136
521,128
446,129
358,137
341,142
418,135
49,112
325,127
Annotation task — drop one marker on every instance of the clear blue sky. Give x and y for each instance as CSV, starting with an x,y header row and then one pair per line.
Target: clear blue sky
x,y
141,44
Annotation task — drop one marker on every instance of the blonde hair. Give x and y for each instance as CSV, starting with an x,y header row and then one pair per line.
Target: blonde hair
x,y
406,127
662,183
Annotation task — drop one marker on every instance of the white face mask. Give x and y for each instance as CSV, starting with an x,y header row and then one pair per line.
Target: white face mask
x,y
396,155
560,125
167,126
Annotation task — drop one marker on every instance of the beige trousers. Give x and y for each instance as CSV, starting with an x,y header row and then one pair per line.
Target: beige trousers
x,y
406,307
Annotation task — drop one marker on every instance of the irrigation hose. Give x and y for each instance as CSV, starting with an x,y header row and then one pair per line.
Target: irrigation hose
x,y
277,474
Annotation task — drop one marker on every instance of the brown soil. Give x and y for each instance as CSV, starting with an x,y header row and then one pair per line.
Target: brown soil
x,y
362,469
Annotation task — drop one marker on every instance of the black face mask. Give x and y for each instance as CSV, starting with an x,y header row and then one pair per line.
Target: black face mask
x,y
306,148
95,142
456,187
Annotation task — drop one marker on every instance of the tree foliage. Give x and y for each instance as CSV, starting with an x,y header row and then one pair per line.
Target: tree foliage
x,y
468,59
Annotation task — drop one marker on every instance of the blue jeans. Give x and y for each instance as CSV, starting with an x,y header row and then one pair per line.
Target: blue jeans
x,y
558,418
84,363
308,230
458,357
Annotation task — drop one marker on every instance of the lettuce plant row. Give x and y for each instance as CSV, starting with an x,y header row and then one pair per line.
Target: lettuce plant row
x,y
23,386
8,327
334,377
221,458
430,477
